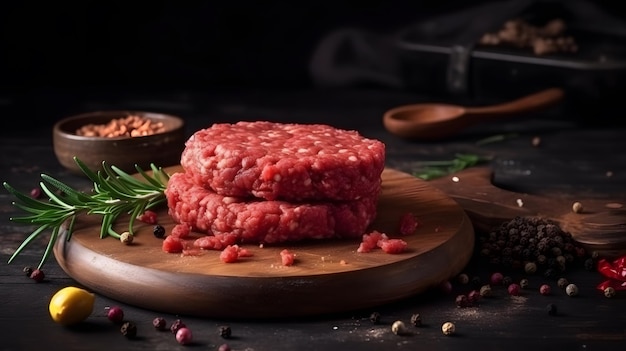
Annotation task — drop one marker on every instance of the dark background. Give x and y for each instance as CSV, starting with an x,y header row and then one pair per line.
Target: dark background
x,y
55,49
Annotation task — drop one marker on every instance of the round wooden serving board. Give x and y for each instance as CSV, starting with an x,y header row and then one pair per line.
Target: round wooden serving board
x,y
328,275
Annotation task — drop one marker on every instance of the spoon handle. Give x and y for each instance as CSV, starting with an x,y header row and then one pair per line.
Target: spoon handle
x,y
532,102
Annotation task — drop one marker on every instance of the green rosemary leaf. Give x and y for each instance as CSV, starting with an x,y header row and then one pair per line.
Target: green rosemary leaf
x,y
27,241
496,138
66,189
70,228
86,170
46,253
437,169
24,199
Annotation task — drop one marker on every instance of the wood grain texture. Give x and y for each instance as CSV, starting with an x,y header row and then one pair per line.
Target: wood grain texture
x,y
601,226
259,286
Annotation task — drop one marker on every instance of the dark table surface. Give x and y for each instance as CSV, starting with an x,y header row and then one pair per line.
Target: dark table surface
x,y
576,152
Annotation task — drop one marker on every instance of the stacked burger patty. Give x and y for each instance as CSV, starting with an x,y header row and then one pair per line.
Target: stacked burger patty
x,y
270,182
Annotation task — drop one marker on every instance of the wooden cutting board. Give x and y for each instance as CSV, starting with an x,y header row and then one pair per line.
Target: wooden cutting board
x,y
601,226
328,276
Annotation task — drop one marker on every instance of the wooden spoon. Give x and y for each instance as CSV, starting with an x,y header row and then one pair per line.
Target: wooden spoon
x,y
438,121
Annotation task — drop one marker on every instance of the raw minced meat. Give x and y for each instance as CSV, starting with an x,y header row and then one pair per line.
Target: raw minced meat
x,y
264,221
292,162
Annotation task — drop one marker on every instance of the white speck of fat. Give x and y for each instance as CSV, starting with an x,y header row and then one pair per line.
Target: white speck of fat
x,y
455,179
520,203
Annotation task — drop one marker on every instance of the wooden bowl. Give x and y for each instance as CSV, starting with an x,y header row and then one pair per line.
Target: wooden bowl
x,y
162,148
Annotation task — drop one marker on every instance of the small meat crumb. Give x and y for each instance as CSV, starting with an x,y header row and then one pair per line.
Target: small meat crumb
x,y
287,257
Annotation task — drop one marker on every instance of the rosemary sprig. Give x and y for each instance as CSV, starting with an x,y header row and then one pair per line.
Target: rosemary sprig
x,y
437,169
115,193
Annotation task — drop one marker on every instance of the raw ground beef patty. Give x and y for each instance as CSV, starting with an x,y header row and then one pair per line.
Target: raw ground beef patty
x,y
265,221
284,161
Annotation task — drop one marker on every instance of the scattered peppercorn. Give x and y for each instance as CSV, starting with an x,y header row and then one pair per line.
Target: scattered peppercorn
x,y
506,281
462,301
225,331
448,328
514,289
485,290
496,278
536,141
126,238
416,320
184,336
115,314
463,278
224,347
609,291
476,282
129,330
530,267
571,290
577,207
177,325
551,308
562,283
545,289
28,270
590,264
524,283
473,297
399,328
159,323
35,193
158,231
375,317
37,275
550,273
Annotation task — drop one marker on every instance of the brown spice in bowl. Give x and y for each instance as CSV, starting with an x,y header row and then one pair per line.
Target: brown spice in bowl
x,y
129,126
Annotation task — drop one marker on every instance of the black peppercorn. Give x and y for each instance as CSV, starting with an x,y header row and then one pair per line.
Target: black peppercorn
x,y
476,282
416,320
551,308
507,280
177,325
129,330
462,301
375,317
590,264
28,270
158,231
225,331
159,323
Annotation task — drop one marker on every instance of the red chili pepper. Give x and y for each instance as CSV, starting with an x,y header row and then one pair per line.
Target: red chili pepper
x,y
615,271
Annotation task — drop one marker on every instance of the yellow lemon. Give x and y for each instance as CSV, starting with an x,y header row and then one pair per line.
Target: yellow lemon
x,y
71,305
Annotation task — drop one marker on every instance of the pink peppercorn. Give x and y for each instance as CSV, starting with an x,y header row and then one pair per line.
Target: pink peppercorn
x,y
37,275
545,289
473,297
514,289
184,336
115,314
35,193
496,278
223,347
